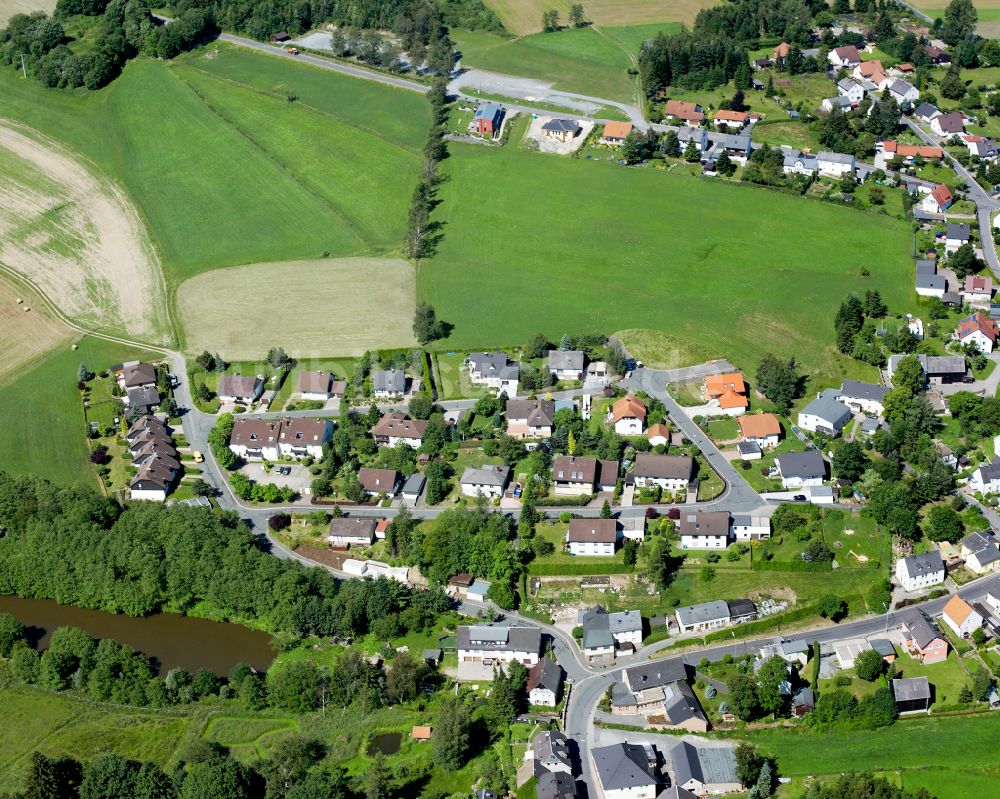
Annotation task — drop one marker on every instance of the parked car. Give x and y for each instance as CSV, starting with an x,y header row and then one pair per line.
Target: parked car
x,y
198,457
284,471
799,498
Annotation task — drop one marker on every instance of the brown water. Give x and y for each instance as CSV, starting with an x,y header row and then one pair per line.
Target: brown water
x,y
169,639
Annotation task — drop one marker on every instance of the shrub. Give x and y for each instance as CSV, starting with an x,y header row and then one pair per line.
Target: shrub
x,y
279,521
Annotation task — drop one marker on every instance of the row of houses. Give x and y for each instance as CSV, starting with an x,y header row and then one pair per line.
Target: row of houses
x,y
137,382
266,439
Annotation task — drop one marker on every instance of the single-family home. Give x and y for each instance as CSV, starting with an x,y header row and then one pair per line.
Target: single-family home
x,y
844,57
751,527
955,236
840,103
379,481
911,694
645,680
488,119
555,785
592,537
910,152
938,369
801,469
986,479
825,414
389,383
863,397
134,374
615,133
925,112
395,428
346,531
851,89
544,686
791,651
597,373
981,147
495,370
950,124
729,391
628,415
563,130
704,529
623,772
937,56
315,385
698,136
573,475
977,328
606,634
961,617
530,418
797,163
737,120
658,435
704,770
255,439
938,200
244,389
835,164
499,644
981,553
143,399
706,616
760,64
566,364
763,429
928,282
669,472
737,147
550,748
977,291
903,92
921,638
303,437
780,53
411,491
688,113
866,69
488,481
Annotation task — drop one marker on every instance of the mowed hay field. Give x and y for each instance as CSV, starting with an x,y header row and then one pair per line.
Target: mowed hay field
x,y
525,16
75,235
989,14
227,170
27,330
727,270
9,8
311,308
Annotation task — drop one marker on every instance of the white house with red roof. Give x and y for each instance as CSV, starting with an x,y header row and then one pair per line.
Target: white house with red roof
x,y
977,291
977,329
847,57
939,200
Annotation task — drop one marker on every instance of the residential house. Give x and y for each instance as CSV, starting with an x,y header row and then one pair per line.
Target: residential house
x,y
780,53
978,329
597,373
315,385
938,369
555,786
303,437
244,389
488,119
950,124
134,374
936,56
592,537
863,397
389,383
615,133
143,399
921,638
792,652
628,415
852,90
763,429
347,531
729,390
411,491
801,469
563,130
981,553
530,418
903,92
550,748
928,282
917,572
395,428
910,152
707,616
925,112
803,701
751,527
499,644
980,147
645,680
977,291
573,475
737,147
961,617
376,482
670,472
938,200
658,435
255,439
760,64
152,482
825,414
495,370
986,479
844,57
623,772
955,236
737,120
835,164
699,136
839,103
544,686
488,481
688,113
605,634
704,529
796,163
867,69
704,770
911,694
566,364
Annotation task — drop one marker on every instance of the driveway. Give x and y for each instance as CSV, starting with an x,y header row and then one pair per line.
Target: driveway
x,y
984,388
298,480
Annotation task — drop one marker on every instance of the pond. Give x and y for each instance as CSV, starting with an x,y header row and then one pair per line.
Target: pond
x,y
386,743
169,639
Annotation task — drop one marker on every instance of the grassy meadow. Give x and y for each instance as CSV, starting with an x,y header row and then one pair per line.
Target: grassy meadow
x,y
525,16
727,270
25,335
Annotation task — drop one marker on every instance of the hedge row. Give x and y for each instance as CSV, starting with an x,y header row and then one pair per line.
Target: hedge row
x,y
579,569
567,502
791,566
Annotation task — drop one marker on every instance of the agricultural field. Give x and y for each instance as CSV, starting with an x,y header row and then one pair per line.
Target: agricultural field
x,y
27,330
9,8
525,16
582,228
75,235
989,14
41,413
311,308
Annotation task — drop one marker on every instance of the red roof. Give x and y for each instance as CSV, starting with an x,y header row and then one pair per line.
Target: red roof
x,y
848,53
977,322
977,284
941,194
687,111
912,150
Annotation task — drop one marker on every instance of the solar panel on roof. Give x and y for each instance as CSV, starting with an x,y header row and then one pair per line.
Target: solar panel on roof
x,y
491,634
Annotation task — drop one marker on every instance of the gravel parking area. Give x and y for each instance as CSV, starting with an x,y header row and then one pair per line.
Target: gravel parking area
x,y
547,144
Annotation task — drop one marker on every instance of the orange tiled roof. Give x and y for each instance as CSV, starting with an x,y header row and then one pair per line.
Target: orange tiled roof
x,y
759,425
628,408
715,385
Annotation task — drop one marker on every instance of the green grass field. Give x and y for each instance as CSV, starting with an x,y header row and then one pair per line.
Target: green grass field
x,y
729,270
42,416
525,16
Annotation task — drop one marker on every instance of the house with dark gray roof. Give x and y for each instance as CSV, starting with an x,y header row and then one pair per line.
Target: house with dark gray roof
x,y
803,701
605,634
704,529
981,553
704,769
938,369
561,129
544,685
550,749
825,414
566,364
798,163
623,771
555,785
925,112
863,397
921,638
495,370
530,418
955,235
498,644
389,383
986,479
800,469
911,694
917,572
669,472
706,616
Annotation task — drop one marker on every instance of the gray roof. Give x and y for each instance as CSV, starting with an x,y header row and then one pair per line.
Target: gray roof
x,y
599,626
955,231
667,467
686,133
566,359
143,396
794,647
983,547
538,413
562,125
732,142
883,646
498,638
925,111
748,448
655,675
924,563
551,743
545,674
933,364
804,696
392,381
555,785
802,464
846,84
710,765
680,704
486,476
705,612
840,101
835,158
808,160
900,87
926,267
936,282
675,792
990,471
741,607
951,123
826,407
237,386
708,523
908,689
919,626
864,391
622,766
414,483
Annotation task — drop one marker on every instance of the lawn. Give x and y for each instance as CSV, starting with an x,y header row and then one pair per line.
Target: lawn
x,y
42,416
525,16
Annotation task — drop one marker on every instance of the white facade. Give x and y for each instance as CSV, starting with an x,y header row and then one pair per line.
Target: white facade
x,y
629,426
919,580
600,548
964,627
475,489
543,697
148,494
835,167
752,528
704,541
986,479
795,481
815,423
852,90
977,337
